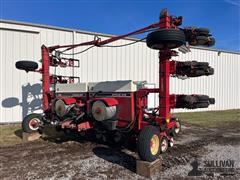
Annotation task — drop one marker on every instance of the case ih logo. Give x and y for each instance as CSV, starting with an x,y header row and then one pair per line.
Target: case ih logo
x,y
211,167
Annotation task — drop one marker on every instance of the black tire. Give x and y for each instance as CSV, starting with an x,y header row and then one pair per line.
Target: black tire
x,y
212,100
176,129
197,73
27,123
205,41
165,39
26,65
202,31
171,142
144,143
210,71
203,98
164,144
201,64
201,105
189,99
202,40
211,42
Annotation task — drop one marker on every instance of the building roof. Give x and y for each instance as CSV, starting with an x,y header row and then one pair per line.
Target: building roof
x,y
95,33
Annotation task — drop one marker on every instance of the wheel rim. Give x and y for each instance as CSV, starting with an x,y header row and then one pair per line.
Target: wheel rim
x,y
177,127
171,142
34,124
154,144
164,145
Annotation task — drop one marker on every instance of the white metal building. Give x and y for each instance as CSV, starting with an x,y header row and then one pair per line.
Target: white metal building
x,y
20,92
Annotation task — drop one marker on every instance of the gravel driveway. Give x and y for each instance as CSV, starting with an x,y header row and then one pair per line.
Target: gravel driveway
x,y
51,158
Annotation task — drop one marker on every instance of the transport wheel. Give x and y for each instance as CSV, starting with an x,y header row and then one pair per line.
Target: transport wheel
x,y
31,123
149,143
171,142
164,144
26,65
165,39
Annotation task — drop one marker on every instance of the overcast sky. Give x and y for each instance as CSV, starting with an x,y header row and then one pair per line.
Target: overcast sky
x,y
222,17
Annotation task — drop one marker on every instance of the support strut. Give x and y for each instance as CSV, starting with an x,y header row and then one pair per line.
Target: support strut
x,y
45,77
164,74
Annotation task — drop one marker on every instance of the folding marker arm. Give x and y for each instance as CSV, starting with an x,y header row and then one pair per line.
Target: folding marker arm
x,y
98,42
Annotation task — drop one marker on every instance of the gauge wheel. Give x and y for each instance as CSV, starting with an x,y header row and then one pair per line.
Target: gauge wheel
x,y
31,123
165,39
149,143
177,128
163,144
171,142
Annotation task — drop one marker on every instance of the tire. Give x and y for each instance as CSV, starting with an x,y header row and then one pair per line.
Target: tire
x,y
211,41
31,123
189,99
197,73
205,41
210,71
171,142
201,64
201,105
26,65
176,129
203,97
202,31
212,100
149,143
164,145
165,39
202,40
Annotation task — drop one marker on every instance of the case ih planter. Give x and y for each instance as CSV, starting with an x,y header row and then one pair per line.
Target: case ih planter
x,y
120,108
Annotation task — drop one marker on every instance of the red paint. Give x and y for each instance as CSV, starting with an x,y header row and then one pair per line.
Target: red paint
x,y
45,77
132,108
67,124
84,126
108,101
69,100
164,73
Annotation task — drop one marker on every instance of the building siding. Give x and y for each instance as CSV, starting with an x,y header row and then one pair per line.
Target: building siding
x,y
20,92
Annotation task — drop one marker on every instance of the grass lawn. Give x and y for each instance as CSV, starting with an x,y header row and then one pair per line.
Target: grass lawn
x,y
210,118
10,134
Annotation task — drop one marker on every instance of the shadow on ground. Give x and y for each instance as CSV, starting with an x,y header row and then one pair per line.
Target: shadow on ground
x,y
18,133
116,156
109,151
